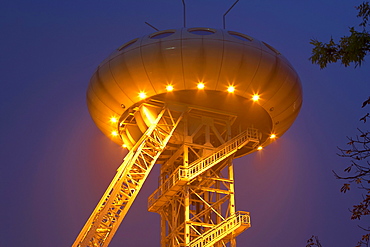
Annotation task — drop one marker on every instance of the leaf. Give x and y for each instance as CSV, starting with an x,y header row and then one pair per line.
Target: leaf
x,y
366,102
348,169
364,118
345,187
365,237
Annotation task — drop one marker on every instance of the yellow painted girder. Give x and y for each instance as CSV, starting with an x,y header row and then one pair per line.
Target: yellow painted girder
x,y
121,193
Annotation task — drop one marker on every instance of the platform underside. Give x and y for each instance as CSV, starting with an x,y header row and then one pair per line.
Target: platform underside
x,y
240,112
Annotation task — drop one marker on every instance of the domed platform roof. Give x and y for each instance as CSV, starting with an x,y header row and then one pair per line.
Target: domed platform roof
x,y
171,64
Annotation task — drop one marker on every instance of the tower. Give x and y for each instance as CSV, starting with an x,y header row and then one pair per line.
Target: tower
x,y
190,100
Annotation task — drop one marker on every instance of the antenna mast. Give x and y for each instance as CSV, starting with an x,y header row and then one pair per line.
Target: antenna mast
x,y
224,21
183,4
152,26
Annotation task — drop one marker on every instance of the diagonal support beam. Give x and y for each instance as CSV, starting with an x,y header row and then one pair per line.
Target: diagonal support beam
x,y
131,175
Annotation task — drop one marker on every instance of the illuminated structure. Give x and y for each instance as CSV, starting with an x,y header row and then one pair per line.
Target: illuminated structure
x,y
190,100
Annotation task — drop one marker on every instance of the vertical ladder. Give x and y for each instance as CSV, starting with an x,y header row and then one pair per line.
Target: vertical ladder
x,y
131,175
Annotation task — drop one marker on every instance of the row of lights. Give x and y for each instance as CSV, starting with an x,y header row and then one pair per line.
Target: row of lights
x,y
200,86
272,136
114,133
114,120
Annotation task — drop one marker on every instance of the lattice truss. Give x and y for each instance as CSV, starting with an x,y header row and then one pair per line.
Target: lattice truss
x,y
110,211
198,207
195,197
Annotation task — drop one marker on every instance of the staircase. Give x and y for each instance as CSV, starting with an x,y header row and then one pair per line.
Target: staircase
x,y
234,225
183,175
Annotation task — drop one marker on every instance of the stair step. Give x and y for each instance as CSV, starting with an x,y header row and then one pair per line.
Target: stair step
x,y
226,230
182,175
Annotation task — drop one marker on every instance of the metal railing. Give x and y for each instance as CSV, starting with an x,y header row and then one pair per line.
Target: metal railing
x,y
184,174
229,148
239,221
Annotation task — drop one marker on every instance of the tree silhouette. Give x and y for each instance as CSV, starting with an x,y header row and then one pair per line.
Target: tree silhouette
x,y
349,50
313,241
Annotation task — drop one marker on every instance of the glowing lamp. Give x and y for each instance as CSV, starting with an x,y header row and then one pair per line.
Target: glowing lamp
x,y
200,85
231,89
255,97
142,95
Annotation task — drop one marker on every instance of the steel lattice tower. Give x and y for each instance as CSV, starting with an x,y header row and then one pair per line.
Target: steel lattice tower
x,y
190,100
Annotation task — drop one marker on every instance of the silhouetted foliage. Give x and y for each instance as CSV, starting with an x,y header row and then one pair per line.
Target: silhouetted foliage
x,y
351,49
313,241
358,174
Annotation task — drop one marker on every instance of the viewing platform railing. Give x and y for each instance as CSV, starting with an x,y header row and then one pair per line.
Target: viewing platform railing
x,y
182,175
235,225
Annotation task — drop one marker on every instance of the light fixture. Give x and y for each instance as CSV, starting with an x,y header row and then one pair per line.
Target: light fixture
x,y
259,148
124,145
200,85
114,133
231,89
272,136
255,97
142,95
113,120
169,88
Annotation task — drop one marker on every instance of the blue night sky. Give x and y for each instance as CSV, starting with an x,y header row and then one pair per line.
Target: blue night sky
x,y
55,164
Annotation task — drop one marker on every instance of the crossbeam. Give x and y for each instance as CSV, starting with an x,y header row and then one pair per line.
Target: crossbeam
x,y
131,175
183,175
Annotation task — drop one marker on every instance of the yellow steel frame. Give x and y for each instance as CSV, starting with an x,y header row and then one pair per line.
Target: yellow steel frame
x,y
196,195
121,193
